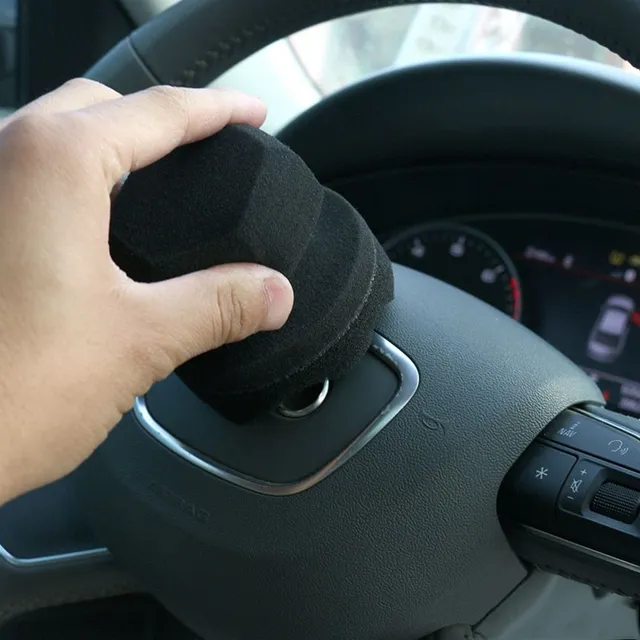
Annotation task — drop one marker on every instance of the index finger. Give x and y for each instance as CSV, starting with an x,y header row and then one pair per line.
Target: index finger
x,y
140,128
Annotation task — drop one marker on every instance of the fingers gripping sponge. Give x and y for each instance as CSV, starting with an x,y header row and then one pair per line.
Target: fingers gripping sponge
x,y
242,196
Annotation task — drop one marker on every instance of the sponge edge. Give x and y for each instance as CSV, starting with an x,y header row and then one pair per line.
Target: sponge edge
x,y
243,196
330,329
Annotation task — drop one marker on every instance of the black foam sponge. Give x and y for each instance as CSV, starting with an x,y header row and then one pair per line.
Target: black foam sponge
x,y
242,196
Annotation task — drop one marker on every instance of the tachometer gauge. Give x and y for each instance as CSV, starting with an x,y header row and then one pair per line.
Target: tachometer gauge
x,y
463,257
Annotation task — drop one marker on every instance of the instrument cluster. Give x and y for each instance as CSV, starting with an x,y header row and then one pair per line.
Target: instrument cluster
x,y
575,283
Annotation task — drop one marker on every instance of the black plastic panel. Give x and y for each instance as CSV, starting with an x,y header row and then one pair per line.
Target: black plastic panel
x,y
133,617
591,436
418,194
590,510
510,117
46,522
574,495
574,561
509,149
537,480
271,447
59,40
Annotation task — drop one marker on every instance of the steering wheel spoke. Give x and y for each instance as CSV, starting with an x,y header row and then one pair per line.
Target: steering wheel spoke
x,y
572,502
49,555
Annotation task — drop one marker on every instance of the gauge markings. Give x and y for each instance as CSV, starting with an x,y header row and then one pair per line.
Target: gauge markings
x,y
463,257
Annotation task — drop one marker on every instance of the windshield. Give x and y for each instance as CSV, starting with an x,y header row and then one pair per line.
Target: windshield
x,y
338,53
295,73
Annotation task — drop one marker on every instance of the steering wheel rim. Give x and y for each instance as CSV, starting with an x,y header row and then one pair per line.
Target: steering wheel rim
x,y
195,41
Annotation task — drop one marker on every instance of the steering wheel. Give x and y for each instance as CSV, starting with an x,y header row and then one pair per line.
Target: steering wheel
x,y
434,514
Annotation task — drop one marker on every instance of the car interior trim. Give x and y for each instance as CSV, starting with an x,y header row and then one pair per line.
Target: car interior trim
x,y
142,11
288,412
575,546
409,379
53,559
615,425
469,219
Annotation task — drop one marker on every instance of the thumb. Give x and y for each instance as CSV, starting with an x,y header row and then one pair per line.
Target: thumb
x,y
204,310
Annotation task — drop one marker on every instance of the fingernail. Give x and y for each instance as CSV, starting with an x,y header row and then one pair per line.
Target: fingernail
x,y
280,300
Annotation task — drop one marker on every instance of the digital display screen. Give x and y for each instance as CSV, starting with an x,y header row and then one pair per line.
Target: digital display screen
x,y
581,292
574,283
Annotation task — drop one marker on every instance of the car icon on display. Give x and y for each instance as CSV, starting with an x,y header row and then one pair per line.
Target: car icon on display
x,y
609,334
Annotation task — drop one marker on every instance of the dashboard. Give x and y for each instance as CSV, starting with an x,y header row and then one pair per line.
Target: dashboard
x,y
573,282
506,193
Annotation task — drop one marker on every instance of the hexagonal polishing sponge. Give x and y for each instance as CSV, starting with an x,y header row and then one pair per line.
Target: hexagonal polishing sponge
x,y
242,196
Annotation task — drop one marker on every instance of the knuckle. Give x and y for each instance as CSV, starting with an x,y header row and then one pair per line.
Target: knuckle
x,y
30,133
93,88
86,83
31,141
82,82
174,99
170,97
233,315
37,138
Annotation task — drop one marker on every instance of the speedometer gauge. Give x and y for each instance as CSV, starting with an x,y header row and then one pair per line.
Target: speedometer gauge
x,y
463,257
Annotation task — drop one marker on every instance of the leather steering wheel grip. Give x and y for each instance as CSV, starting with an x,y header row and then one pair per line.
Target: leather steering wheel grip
x,y
195,41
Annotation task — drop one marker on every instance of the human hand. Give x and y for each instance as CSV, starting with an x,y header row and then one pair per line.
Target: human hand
x,y
79,340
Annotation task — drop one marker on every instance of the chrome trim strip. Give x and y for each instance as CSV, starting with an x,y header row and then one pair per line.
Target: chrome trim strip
x,y
610,423
574,546
54,559
403,366
294,414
